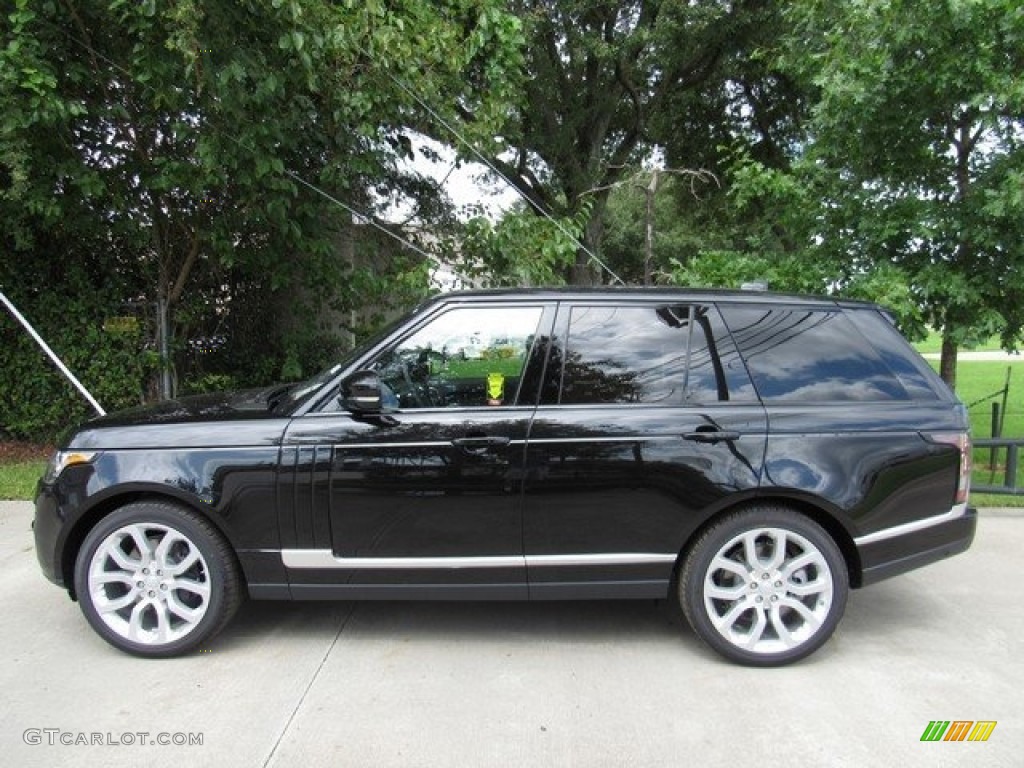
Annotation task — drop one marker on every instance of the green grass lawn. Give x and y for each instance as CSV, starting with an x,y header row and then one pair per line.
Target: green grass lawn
x,y
933,344
977,382
18,480
479,369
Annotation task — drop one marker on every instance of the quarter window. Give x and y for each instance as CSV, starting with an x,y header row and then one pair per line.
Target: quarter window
x,y
896,353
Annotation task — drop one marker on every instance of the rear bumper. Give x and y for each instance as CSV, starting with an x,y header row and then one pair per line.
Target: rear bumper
x,y
906,547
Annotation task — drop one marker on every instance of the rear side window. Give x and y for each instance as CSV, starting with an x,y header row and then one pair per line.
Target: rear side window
x,y
657,355
809,355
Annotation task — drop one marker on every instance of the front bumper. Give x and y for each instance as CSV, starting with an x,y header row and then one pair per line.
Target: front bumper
x,y
47,528
904,548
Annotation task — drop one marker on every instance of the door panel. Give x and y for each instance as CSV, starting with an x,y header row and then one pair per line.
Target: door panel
x,y
622,486
405,502
647,423
411,490
427,493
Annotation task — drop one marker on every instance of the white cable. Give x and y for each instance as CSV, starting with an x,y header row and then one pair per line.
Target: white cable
x,y
51,354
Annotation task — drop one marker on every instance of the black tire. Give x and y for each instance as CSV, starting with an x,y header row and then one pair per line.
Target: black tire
x,y
167,601
754,605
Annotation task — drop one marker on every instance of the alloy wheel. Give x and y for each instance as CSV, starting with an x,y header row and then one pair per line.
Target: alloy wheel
x,y
768,590
149,583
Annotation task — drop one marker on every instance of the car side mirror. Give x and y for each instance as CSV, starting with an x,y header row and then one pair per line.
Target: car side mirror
x,y
361,393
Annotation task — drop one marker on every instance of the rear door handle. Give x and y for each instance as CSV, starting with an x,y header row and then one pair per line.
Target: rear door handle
x,y
711,435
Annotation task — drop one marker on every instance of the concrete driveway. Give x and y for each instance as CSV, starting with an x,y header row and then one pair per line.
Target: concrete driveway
x,y
509,685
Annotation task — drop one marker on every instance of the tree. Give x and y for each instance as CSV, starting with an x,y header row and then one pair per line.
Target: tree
x,y
912,157
187,132
646,223
599,74
752,109
74,298
521,249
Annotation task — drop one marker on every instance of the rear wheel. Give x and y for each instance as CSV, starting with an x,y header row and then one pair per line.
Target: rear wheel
x,y
764,586
156,580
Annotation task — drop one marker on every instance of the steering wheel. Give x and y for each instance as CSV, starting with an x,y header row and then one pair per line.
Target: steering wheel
x,y
415,390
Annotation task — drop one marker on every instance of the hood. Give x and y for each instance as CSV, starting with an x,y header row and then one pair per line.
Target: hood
x,y
244,404
222,419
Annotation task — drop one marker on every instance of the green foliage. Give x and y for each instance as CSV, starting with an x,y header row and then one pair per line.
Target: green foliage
x,y
678,233
174,138
601,73
871,149
731,269
209,382
521,249
73,314
912,153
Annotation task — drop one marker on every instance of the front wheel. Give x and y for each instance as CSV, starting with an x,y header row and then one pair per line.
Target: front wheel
x,y
764,586
156,580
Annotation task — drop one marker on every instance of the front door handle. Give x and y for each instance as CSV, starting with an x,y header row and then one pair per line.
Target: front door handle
x,y
480,444
711,435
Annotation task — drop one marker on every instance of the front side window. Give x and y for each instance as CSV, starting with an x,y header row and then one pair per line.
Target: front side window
x,y
466,357
666,355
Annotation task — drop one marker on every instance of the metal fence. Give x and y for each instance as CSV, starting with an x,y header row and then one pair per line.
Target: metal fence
x,y
1007,469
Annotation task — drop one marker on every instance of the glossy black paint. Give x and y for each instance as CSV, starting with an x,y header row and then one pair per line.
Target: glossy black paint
x,y
428,483
885,559
881,473
538,479
611,479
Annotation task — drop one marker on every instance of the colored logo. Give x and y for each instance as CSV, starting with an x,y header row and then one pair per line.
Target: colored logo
x,y
959,730
495,388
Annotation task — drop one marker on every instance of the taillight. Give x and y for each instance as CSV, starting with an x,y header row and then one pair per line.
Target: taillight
x,y
962,441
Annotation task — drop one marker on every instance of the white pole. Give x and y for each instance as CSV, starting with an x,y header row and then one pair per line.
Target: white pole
x,y
50,353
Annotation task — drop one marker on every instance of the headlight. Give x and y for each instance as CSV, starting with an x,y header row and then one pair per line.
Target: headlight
x,y
61,460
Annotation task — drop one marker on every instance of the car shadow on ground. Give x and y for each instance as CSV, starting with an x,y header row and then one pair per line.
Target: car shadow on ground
x,y
569,621
872,614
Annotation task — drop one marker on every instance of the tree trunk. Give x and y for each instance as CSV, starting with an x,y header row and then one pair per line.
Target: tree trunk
x,y
965,251
165,382
587,270
947,365
584,272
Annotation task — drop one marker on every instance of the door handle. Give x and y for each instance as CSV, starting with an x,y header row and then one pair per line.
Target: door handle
x,y
480,444
711,435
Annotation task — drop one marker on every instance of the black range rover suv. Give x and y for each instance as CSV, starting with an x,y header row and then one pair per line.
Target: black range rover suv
x,y
750,456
